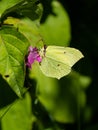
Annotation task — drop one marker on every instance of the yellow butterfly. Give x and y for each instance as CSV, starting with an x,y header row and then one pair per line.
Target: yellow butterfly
x,y
57,61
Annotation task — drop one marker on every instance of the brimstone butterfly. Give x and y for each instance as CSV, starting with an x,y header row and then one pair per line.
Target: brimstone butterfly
x,y
57,61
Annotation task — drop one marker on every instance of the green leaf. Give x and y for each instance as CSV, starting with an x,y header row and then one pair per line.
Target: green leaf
x,y
30,29
31,10
57,61
56,29
13,48
27,27
6,4
19,116
27,8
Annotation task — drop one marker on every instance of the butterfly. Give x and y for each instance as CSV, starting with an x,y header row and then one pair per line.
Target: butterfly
x,y
57,61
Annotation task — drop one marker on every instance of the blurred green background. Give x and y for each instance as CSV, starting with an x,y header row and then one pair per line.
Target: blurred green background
x,y
70,103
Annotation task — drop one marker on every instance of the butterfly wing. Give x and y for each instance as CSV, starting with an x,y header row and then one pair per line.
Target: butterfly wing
x,y
53,68
66,55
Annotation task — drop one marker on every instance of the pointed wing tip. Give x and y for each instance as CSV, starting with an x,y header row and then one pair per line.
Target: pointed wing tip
x,y
81,55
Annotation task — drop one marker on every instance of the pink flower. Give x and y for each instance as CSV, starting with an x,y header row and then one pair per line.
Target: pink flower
x,y
33,56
